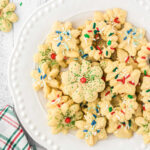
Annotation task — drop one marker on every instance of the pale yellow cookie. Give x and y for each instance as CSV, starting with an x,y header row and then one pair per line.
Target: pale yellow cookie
x,y
64,40
82,81
122,77
92,129
144,128
63,119
144,59
131,38
7,15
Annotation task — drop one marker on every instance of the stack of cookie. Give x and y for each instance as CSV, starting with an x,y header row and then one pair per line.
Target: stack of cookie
x,y
96,78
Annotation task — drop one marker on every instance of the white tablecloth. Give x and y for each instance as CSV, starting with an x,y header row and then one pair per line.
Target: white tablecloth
x,y
7,42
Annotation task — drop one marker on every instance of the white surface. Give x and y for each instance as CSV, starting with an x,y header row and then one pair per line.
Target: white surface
x,y
28,108
7,41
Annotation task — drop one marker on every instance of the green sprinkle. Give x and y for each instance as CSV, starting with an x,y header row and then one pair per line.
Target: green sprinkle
x,y
113,96
20,4
148,100
145,73
129,123
106,53
110,109
130,96
95,31
110,34
91,47
116,76
109,43
86,36
114,70
94,25
147,90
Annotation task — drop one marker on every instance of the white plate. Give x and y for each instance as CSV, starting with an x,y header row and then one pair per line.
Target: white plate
x,y
30,106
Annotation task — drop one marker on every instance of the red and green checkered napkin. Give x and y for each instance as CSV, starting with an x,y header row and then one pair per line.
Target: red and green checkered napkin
x,y
12,136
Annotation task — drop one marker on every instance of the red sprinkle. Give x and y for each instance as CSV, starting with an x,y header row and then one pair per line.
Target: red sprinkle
x,y
127,59
97,28
148,48
112,113
127,76
65,58
89,30
83,80
147,75
98,48
116,20
53,101
112,48
119,127
57,95
130,82
103,78
122,112
143,57
53,56
144,108
67,120
107,93
58,105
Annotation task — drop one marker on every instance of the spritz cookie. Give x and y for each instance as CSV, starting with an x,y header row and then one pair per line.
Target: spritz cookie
x,y
122,77
144,128
92,129
122,129
63,119
98,40
64,40
131,38
144,59
82,81
7,15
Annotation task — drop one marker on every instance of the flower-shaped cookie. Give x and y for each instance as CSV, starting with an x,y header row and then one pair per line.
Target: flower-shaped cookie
x,y
122,129
115,17
124,111
47,55
42,79
82,81
131,39
144,59
92,129
98,40
7,15
64,40
122,77
144,128
63,119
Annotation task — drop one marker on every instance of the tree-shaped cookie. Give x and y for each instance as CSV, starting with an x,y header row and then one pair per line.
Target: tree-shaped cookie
x,y
82,81
7,15
123,78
